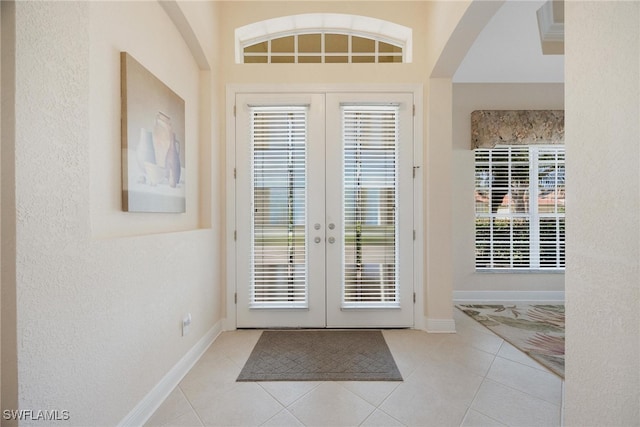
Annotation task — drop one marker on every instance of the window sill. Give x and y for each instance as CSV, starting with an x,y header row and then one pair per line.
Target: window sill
x,y
519,271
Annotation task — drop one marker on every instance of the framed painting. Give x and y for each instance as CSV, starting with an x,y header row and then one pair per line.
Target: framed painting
x,y
153,142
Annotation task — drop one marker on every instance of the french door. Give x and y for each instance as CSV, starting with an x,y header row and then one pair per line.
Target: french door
x,y
324,210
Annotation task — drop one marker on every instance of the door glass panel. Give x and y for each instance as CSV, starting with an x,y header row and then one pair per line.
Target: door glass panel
x,y
279,251
370,137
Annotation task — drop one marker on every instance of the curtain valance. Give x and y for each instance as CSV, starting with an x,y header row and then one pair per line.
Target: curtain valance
x,y
516,127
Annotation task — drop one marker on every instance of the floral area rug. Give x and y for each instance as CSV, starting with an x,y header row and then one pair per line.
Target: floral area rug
x,y
537,330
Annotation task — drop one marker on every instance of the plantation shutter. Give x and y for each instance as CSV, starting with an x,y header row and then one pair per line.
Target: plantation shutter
x,y
370,139
551,207
519,205
279,252
502,208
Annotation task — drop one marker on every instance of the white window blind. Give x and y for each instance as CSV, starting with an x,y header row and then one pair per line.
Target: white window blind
x,y
370,138
519,205
279,258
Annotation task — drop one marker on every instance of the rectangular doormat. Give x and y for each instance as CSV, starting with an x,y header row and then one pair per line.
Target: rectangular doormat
x,y
537,330
327,355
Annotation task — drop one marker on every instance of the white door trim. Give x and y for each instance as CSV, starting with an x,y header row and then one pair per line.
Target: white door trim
x,y
230,212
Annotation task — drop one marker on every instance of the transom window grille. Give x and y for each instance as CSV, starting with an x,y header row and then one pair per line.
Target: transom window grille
x,y
322,47
370,138
279,270
323,38
520,207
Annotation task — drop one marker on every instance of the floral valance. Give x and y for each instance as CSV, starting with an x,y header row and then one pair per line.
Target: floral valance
x,y
516,127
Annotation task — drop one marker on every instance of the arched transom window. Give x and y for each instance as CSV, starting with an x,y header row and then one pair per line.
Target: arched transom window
x,y
323,38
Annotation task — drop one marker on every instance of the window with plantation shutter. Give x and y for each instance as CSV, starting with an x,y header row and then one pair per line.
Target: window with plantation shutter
x,y
370,138
279,249
520,209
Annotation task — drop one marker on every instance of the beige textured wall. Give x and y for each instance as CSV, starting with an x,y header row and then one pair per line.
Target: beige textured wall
x,y
468,97
437,207
602,60
8,355
99,307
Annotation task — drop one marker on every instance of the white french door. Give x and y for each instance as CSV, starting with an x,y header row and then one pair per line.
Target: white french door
x,y
324,210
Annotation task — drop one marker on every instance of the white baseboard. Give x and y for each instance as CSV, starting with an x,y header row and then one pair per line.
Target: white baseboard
x,y
441,326
152,401
502,297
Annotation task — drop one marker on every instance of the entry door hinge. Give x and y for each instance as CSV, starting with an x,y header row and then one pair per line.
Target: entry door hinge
x,y
414,110
414,170
414,234
234,110
235,173
235,298
235,235
414,297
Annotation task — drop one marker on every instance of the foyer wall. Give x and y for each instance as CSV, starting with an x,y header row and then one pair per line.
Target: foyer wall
x,y
602,57
100,294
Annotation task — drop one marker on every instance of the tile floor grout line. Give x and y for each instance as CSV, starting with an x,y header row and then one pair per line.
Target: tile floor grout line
x,y
384,412
284,408
191,405
523,392
379,407
544,370
482,413
541,368
297,399
484,378
375,408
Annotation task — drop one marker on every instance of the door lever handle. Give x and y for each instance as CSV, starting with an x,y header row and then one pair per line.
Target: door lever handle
x,y
317,240
332,239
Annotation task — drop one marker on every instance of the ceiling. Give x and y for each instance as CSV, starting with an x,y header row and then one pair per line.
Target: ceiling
x,y
508,50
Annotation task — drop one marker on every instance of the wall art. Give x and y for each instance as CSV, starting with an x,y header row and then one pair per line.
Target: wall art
x,y
153,142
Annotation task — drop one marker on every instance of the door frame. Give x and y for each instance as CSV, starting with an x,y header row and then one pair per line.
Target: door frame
x,y
230,183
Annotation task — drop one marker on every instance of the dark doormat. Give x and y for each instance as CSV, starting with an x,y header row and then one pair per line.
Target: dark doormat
x,y
310,355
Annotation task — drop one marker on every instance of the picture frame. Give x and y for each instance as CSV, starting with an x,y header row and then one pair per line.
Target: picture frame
x,y
153,142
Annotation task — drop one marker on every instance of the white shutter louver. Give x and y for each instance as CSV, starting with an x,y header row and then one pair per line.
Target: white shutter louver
x,y
370,138
551,207
519,204
279,251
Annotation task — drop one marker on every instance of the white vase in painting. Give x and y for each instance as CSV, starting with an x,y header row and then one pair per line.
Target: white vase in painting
x,y
162,138
145,151
172,163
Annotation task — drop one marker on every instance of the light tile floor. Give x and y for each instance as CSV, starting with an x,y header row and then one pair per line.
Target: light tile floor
x,y
472,378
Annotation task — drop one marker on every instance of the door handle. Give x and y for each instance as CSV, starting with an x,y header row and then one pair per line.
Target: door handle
x,y
332,239
332,226
317,240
